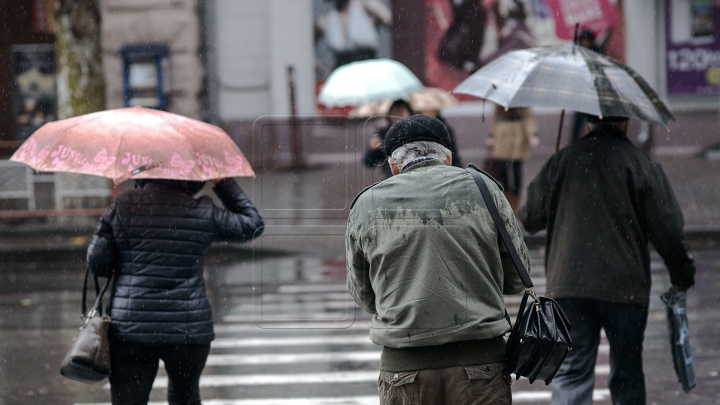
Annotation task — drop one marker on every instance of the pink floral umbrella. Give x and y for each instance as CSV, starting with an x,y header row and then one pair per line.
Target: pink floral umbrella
x,y
134,142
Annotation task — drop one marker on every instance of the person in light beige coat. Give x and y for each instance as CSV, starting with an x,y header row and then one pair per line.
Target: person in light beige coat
x,y
513,135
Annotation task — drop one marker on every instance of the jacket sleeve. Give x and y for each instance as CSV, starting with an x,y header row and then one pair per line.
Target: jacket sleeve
x,y
239,220
664,226
102,254
512,283
534,214
358,270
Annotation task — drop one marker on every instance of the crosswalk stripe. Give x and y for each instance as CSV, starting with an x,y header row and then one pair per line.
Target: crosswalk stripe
x,y
357,400
338,316
602,369
518,397
532,396
262,307
311,288
278,379
327,357
295,341
289,297
274,327
339,377
330,357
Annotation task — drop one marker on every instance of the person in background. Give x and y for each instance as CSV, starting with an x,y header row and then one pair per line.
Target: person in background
x,y
453,147
602,200
152,239
513,132
586,39
375,154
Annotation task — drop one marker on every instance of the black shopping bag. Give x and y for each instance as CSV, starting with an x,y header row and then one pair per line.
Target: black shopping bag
x,y
675,302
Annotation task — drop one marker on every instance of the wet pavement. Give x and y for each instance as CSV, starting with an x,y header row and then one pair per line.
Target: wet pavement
x,y
287,330
286,327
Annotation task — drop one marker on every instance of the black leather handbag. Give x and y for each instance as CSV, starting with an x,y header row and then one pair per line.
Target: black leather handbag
x,y
89,358
540,338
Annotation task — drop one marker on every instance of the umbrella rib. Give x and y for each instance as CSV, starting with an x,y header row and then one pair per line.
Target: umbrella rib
x,y
659,106
606,91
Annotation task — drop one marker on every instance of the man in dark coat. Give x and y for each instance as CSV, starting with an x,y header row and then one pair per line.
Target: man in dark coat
x,y
152,239
375,153
601,201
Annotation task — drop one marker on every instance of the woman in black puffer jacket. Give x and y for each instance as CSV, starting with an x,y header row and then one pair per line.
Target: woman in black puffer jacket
x,y
153,239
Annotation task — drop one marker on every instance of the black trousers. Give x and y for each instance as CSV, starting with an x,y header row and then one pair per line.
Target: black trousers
x,y
624,326
134,367
504,167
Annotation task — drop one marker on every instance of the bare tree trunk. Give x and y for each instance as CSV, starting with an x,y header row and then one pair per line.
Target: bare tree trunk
x,y
81,85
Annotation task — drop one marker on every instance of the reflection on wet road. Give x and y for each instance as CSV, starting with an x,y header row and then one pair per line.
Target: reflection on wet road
x,y
288,333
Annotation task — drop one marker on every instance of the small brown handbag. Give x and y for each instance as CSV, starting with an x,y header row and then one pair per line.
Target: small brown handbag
x,y
88,360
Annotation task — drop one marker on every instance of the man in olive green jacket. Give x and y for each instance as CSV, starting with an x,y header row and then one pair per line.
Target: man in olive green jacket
x,y
425,259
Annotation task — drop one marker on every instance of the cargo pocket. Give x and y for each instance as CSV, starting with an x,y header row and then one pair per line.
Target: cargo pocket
x,y
398,388
487,384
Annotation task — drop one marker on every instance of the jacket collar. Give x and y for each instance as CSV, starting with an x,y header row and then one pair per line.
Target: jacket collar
x,y
420,163
188,187
606,130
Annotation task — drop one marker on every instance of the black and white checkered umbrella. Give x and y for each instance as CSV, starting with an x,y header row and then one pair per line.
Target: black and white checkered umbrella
x,y
569,77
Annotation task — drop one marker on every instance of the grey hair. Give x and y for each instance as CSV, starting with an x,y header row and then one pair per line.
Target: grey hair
x,y
413,150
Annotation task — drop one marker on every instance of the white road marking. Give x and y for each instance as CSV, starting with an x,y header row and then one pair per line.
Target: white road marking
x,y
518,397
340,377
289,358
341,296
531,396
286,317
602,369
279,379
311,288
358,400
274,327
297,341
263,307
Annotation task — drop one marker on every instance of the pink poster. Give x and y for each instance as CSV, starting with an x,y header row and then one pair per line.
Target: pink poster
x,y
462,36
595,15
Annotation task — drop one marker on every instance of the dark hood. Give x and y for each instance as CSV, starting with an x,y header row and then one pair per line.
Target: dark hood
x,y
189,187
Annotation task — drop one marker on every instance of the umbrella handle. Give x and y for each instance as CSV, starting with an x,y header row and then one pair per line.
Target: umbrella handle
x,y
562,118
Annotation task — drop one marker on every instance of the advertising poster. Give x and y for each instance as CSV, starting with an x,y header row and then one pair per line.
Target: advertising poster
x,y
693,47
348,31
34,96
461,36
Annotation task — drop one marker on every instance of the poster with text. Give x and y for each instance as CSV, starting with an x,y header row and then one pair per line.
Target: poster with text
x,y
462,36
693,47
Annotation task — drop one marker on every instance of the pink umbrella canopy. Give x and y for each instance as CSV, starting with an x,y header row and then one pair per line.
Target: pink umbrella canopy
x,y
134,142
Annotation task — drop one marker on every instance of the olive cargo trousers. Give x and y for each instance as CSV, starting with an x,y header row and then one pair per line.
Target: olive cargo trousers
x,y
459,385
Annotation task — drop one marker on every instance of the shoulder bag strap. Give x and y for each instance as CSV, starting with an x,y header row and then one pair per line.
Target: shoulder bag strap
x,y
500,225
97,306
83,304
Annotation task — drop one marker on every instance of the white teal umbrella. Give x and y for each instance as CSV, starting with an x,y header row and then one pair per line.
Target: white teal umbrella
x,y
367,81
